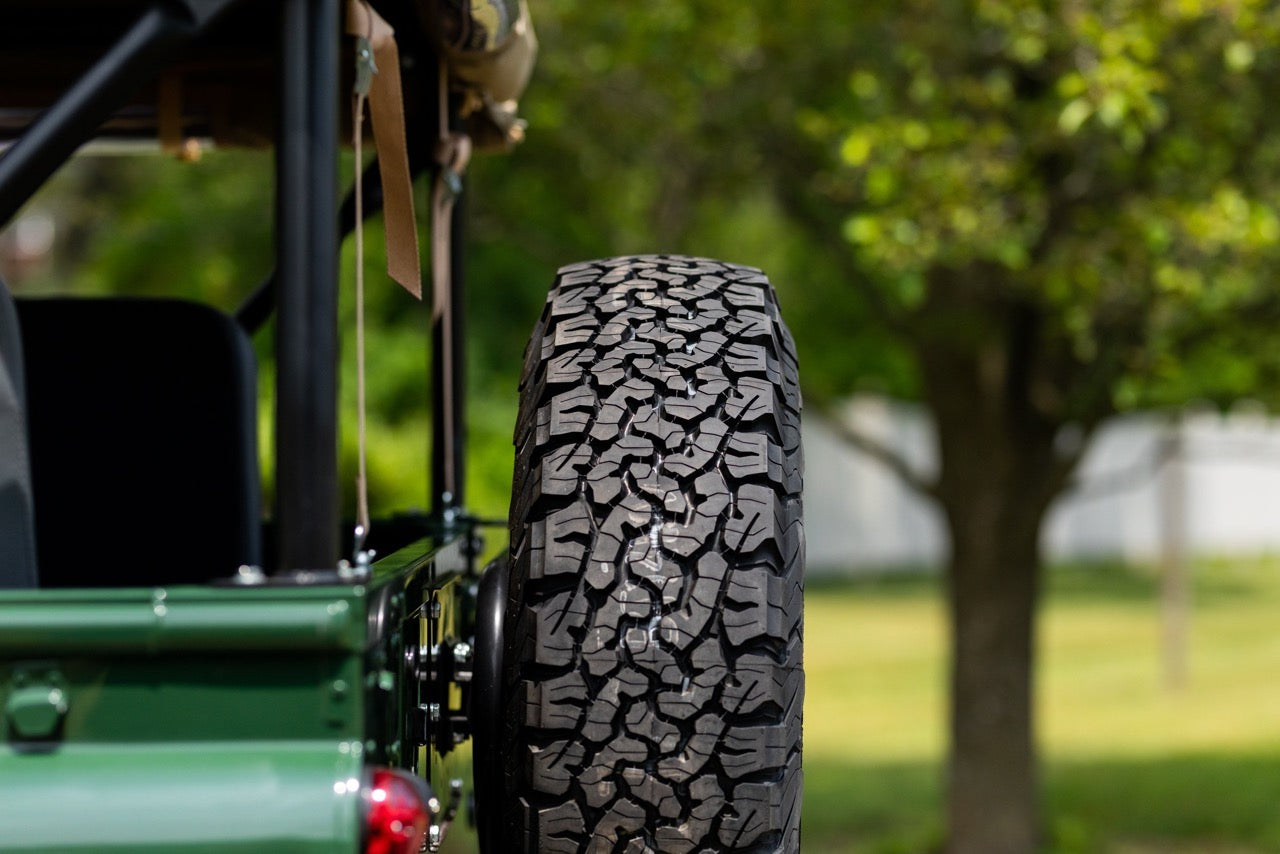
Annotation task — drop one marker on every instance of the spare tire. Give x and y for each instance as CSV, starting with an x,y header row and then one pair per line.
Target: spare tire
x,y
653,681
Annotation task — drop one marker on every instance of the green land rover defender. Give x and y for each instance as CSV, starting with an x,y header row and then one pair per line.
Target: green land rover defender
x,y
183,669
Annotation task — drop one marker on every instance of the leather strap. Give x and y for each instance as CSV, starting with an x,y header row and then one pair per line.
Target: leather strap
x,y
453,153
386,109
364,68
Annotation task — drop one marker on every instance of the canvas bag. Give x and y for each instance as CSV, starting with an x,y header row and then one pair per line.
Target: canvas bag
x,y
489,47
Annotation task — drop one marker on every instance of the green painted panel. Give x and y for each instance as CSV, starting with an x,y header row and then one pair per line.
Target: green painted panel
x,y
183,697
181,619
190,663
196,719
298,797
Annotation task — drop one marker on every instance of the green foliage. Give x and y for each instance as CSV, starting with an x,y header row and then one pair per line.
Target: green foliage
x,y
676,131
1104,161
1114,164
147,225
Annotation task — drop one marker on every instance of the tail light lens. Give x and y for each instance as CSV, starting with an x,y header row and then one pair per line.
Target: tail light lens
x,y
398,810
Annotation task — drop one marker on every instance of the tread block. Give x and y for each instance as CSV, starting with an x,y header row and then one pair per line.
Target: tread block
x,y
697,751
560,469
598,787
759,681
560,822
646,562
559,542
760,808
555,703
553,622
708,802
753,521
624,819
747,750
570,413
554,767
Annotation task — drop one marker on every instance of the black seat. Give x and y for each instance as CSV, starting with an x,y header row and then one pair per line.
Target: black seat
x,y
142,419
17,532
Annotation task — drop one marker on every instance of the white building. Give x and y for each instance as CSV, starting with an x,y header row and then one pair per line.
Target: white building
x,y
859,515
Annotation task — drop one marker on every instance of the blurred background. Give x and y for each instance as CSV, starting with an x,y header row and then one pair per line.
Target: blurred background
x,y
1028,250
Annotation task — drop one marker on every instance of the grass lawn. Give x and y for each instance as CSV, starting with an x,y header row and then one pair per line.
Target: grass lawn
x,y
1130,767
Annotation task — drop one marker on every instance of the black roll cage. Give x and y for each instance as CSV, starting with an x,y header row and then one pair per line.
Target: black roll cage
x,y
303,288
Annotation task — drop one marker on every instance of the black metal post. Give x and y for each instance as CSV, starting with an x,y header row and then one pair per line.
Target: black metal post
x,y
307,512
448,381
458,300
62,128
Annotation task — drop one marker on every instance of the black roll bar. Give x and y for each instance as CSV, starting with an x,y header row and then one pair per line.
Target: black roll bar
x,y
61,129
307,512
448,378
308,225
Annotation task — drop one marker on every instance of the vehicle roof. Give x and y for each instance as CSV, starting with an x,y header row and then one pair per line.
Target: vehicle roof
x,y
224,82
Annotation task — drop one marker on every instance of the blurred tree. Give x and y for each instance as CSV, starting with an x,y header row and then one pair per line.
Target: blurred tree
x,y
1060,208
1031,214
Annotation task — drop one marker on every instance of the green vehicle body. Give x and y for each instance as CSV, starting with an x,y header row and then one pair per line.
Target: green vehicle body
x,y
220,719
246,714
188,668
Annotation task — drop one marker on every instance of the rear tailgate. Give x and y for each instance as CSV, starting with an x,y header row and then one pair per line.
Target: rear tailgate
x,y
187,719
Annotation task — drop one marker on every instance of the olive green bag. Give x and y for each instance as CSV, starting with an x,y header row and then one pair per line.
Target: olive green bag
x,y
489,47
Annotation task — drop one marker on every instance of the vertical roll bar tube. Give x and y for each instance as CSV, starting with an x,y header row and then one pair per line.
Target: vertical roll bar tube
x,y
448,381
307,512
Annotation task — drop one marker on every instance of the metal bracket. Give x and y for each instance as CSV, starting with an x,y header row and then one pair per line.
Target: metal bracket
x,y
440,829
445,671
37,704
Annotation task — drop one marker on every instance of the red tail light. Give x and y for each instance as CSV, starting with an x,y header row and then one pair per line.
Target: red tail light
x,y
398,811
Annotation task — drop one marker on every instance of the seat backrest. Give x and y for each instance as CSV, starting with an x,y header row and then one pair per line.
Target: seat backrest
x,y
17,532
143,427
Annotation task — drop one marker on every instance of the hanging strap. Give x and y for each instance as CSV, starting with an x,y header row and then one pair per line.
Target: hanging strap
x,y
453,153
380,77
386,111
366,69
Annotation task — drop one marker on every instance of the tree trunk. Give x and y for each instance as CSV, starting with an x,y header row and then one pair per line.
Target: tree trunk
x,y
999,472
993,785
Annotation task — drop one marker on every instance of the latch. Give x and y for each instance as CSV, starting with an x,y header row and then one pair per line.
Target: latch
x,y
38,703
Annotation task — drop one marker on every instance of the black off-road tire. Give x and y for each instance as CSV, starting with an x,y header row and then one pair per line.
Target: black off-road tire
x,y
653,633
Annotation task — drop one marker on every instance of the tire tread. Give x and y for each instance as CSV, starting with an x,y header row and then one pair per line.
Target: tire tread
x,y
655,626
